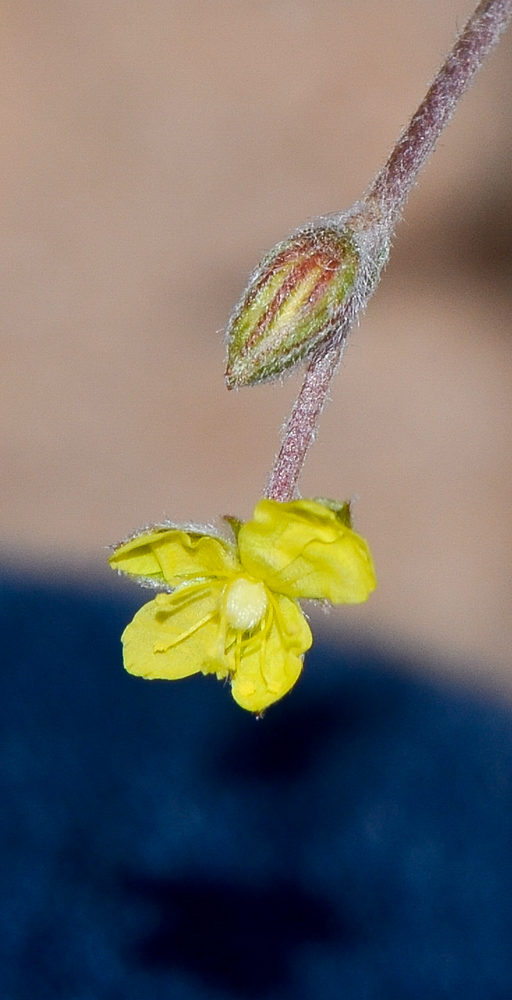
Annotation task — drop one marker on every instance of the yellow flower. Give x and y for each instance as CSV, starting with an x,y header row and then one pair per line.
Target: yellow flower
x,y
231,609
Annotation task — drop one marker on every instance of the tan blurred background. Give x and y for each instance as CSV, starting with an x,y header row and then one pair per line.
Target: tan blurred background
x,y
150,153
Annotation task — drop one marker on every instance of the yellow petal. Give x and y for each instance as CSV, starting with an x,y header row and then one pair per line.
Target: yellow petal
x,y
306,548
172,556
271,659
175,635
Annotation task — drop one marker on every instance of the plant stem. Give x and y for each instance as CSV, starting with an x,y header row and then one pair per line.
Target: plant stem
x,y
381,207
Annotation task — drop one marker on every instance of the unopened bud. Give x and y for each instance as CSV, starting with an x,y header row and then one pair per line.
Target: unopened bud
x,y
293,302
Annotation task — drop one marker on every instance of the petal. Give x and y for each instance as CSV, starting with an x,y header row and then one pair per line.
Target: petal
x,y
172,556
307,548
271,660
175,635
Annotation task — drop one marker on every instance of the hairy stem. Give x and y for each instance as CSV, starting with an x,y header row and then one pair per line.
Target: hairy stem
x,y
300,429
382,205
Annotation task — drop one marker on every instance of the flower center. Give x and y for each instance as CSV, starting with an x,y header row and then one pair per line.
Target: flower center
x,y
246,604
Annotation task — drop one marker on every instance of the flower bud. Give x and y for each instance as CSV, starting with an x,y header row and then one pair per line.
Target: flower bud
x,y
293,302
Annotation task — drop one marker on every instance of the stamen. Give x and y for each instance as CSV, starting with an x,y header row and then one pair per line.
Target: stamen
x,y
181,596
163,647
238,651
265,628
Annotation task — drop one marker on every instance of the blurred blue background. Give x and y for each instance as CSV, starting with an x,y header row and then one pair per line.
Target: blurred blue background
x,y
159,842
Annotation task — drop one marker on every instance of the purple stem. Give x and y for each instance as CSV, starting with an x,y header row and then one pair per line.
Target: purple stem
x,y
300,429
383,203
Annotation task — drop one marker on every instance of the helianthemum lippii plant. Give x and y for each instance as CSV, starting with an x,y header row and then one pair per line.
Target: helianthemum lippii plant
x,y
231,605
228,603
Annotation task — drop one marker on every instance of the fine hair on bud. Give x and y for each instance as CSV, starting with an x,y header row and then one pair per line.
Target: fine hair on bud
x,y
306,291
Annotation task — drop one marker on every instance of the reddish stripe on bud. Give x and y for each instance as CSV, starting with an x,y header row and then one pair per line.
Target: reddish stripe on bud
x,y
293,301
